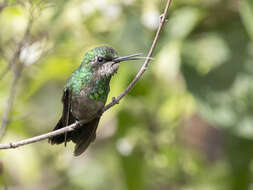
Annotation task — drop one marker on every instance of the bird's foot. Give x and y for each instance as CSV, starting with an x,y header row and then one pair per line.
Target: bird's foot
x,y
78,124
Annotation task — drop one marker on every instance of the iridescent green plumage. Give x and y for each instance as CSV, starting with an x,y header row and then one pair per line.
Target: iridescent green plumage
x,y
83,75
85,94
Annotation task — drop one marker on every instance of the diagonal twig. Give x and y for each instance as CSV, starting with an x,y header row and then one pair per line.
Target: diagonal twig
x,y
17,70
5,116
145,64
38,138
18,50
114,101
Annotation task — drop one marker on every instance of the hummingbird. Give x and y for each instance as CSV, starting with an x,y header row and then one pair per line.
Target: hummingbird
x,y
85,94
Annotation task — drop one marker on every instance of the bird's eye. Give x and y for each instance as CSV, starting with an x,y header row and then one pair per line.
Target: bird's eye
x,y
100,60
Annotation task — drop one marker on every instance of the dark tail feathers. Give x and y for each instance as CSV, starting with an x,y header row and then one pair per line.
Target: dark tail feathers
x,y
81,136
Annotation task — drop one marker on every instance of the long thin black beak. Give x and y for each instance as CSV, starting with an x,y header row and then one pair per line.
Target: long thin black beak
x,y
129,57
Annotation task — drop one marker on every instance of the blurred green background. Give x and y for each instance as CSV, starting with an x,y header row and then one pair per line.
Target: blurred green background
x,y
186,125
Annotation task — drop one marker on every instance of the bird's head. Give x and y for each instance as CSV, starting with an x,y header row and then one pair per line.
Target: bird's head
x,y
104,61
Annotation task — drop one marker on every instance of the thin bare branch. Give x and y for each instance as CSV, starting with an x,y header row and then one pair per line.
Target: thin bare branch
x,y
12,62
18,50
38,138
17,70
145,64
114,101
9,104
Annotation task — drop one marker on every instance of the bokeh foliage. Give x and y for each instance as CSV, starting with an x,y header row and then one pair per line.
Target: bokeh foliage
x,y
186,125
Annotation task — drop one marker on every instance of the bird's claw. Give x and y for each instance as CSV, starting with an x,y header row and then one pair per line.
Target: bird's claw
x,y
77,123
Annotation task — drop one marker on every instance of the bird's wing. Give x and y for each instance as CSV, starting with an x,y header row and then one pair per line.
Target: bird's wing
x,y
66,100
66,119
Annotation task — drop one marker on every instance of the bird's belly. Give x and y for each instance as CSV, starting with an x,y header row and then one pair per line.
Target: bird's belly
x,y
83,108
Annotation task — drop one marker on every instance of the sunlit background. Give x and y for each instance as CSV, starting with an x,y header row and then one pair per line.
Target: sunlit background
x,y
186,125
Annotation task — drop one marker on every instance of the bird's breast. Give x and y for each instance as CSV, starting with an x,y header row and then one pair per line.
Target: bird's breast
x,y
84,108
